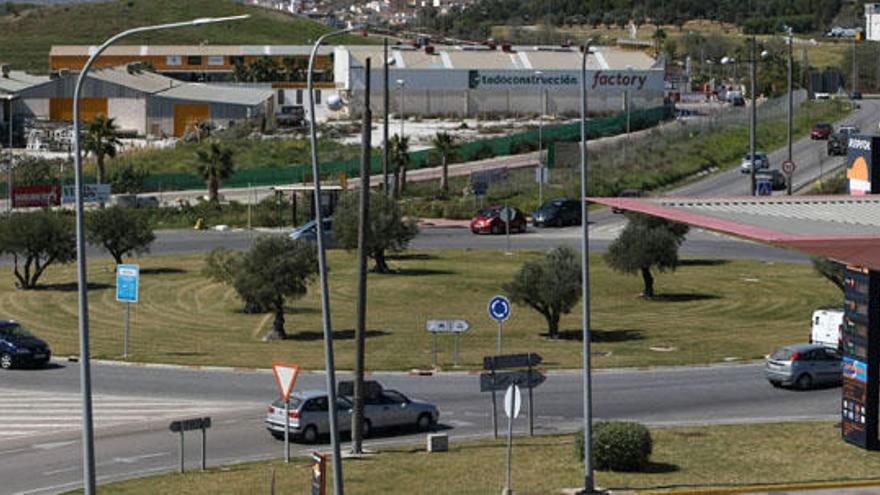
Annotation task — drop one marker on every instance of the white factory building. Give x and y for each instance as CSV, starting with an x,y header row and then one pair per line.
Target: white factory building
x,y
872,21
492,81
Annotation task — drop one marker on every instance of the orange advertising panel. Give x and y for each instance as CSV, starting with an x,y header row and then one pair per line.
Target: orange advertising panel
x,y
89,108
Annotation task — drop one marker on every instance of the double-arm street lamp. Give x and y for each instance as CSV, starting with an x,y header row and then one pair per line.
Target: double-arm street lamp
x,y
322,269
82,284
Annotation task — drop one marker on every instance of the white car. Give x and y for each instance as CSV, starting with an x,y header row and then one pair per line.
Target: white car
x,y
761,162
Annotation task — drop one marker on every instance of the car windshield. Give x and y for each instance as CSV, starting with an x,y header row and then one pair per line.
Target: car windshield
x,y
15,330
783,354
491,212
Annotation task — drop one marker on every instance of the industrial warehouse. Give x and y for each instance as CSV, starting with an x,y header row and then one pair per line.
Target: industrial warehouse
x,y
425,81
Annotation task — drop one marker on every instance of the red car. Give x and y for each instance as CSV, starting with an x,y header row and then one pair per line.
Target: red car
x,y
489,221
821,131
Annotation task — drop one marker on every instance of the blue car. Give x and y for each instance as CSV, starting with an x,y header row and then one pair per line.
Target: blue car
x,y
19,347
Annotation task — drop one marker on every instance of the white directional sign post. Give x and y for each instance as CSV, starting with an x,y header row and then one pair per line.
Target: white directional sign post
x,y
127,289
499,310
506,215
456,327
512,403
285,375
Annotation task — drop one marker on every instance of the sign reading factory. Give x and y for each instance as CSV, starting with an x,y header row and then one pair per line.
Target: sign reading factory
x,y
597,80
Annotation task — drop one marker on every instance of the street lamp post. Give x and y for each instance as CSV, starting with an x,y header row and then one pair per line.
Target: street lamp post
x,y
85,372
790,97
322,269
753,120
589,486
540,77
402,84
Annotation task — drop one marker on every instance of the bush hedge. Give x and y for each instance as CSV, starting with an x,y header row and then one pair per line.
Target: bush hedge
x,y
618,446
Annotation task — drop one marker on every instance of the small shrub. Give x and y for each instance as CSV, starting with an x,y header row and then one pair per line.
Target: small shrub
x,y
617,446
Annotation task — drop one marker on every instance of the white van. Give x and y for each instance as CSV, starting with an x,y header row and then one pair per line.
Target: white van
x,y
826,327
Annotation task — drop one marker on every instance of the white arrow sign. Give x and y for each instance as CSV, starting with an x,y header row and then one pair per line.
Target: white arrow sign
x,y
512,401
285,374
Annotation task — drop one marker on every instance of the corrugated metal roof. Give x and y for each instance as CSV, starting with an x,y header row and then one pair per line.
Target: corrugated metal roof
x,y
845,228
184,50
144,81
18,81
218,94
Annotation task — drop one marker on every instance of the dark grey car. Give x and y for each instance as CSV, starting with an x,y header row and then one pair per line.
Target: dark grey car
x,y
803,366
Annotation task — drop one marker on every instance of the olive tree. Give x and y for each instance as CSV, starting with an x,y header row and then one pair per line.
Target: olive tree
x,y
274,271
646,242
551,285
387,229
120,231
833,271
35,241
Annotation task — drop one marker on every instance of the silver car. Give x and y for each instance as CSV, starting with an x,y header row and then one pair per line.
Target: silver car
x,y
760,162
803,366
308,414
309,232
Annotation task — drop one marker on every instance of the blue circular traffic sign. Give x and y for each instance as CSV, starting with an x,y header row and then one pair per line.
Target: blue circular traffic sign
x,y
499,308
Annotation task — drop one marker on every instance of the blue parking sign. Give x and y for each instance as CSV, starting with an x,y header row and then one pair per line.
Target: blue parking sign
x,y
127,277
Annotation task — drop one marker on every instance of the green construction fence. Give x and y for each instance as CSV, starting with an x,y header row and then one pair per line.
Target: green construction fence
x,y
486,148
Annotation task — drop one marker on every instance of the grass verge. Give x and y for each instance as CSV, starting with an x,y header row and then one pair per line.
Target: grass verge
x,y
684,458
707,311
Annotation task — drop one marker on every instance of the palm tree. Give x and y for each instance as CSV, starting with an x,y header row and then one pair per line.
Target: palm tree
x,y
444,145
214,164
101,140
398,151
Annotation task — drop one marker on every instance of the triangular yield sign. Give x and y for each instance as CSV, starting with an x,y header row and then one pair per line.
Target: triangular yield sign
x,y
285,374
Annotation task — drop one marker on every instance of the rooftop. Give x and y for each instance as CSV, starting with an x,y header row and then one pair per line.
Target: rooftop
x,y
17,81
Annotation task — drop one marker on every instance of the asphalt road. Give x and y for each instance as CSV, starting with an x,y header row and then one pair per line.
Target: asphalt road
x,y
49,461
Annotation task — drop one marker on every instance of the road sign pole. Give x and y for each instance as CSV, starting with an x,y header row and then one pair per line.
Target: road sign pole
x,y
456,349
494,408
510,407
204,448
125,334
287,430
531,410
498,345
181,450
433,349
507,228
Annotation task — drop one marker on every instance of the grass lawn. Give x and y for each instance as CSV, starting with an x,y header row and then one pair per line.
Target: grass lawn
x,y
690,458
708,310
29,33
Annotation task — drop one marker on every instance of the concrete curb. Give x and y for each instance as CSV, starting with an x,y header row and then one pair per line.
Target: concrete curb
x,y
831,485
412,372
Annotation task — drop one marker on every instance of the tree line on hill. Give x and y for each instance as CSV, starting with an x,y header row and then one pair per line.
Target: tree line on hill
x,y
764,16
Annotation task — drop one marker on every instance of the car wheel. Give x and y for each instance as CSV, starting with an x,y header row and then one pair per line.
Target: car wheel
x,y
424,422
496,228
310,434
522,228
775,384
367,428
559,222
804,382
279,435
6,361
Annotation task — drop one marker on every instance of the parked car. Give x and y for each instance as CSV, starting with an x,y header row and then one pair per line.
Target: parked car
x,y
557,212
291,116
489,221
856,95
838,144
20,348
760,162
387,409
308,415
309,232
627,193
821,131
803,366
776,178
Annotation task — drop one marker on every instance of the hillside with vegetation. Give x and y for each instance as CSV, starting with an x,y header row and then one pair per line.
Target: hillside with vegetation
x,y
29,33
754,16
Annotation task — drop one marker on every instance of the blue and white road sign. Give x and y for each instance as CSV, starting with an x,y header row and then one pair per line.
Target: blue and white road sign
x,y
127,278
499,308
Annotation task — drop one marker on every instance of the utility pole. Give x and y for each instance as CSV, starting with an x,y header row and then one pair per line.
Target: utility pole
x,y
357,432
385,98
540,76
753,127
790,97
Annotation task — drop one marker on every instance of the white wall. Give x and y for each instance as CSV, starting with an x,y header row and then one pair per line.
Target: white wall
x,y
130,113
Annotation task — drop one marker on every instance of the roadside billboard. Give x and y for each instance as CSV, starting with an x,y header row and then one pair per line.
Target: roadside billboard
x,y
863,165
36,196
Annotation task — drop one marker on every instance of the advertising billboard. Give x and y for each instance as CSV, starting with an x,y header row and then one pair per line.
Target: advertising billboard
x,y
36,196
863,176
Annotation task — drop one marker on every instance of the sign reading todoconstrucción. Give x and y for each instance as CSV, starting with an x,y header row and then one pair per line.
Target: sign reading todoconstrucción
x,y
597,80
